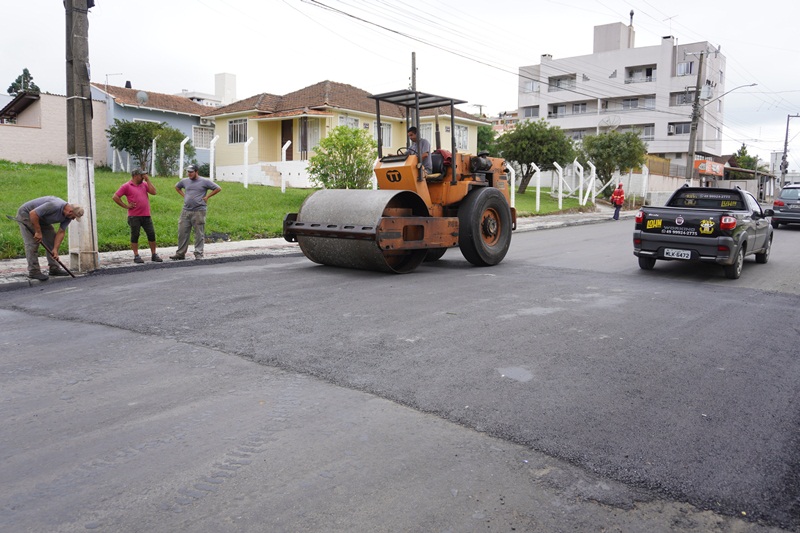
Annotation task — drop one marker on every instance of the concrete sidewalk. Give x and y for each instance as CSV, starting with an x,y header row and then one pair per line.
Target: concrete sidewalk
x,y
13,272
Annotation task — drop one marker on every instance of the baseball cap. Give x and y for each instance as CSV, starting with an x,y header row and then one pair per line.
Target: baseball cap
x,y
77,211
191,168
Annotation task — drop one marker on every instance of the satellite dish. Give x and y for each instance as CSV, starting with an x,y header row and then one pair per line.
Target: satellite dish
x,y
142,97
611,122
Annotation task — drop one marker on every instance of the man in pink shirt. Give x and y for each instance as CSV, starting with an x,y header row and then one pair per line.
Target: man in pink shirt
x,y
136,193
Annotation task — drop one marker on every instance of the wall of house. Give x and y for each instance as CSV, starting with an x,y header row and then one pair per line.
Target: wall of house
x,y
40,135
264,165
183,123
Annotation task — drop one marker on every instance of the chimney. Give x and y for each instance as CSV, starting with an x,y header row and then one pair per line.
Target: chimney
x,y
128,85
547,57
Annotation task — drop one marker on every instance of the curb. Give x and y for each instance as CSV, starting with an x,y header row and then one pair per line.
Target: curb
x,y
15,278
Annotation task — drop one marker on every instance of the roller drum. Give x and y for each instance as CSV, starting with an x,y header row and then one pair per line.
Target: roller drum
x,y
363,208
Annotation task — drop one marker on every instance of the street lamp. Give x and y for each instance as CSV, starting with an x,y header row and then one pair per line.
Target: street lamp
x,y
696,112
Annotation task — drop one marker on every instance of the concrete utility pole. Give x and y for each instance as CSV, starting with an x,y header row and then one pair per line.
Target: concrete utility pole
x,y
83,251
785,162
695,121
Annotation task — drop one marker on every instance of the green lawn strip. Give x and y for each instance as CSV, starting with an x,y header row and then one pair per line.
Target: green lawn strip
x,y
242,214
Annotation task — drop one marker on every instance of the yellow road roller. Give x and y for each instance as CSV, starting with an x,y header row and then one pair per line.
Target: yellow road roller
x,y
414,216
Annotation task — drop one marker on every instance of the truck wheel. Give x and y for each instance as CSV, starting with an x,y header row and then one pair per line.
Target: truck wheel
x,y
484,227
763,256
647,263
735,270
775,224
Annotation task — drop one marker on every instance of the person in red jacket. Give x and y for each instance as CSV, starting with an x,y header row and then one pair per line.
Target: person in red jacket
x,y
617,199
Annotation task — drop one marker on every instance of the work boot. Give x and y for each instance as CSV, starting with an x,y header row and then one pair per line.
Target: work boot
x,y
55,271
38,274
177,257
157,259
198,256
138,259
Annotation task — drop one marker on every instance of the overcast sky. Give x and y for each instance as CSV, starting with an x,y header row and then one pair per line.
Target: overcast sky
x,y
467,49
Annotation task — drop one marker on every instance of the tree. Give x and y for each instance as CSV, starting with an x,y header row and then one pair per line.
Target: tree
x,y
168,150
611,151
486,140
136,138
344,159
24,82
535,142
745,160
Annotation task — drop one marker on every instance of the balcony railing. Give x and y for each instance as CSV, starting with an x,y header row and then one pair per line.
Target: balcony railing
x,y
641,79
562,86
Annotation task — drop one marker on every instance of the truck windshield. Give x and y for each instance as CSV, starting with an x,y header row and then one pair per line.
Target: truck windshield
x,y
707,200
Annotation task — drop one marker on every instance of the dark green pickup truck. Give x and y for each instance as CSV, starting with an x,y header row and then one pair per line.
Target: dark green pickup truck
x,y
710,225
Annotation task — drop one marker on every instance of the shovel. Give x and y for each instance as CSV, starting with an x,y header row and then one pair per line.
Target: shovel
x,y
49,251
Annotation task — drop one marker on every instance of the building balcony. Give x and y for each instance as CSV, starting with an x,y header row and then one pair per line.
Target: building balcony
x,y
641,79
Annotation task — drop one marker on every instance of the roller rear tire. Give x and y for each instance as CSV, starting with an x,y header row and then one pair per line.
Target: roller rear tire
x,y
484,227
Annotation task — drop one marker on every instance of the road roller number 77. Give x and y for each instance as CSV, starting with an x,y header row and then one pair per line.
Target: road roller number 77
x,y
414,216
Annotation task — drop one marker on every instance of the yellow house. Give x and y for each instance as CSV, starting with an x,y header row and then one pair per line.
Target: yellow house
x,y
267,139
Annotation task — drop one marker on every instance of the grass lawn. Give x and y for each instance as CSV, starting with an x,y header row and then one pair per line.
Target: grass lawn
x,y
253,213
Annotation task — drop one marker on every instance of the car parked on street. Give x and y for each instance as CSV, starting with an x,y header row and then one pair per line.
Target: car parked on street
x,y
786,207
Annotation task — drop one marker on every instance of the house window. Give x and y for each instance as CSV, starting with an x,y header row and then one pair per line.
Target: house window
x,y
531,111
680,128
578,109
530,86
237,131
630,103
649,102
648,132
201,137
577,135
685,68
350,122
462,137
313,134
386,133
557,111
684,98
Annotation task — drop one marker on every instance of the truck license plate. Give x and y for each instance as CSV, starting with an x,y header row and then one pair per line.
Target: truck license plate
x,y
672,253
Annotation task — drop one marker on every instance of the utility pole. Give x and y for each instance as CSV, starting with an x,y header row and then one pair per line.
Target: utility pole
x,y
785,162
83,251
695,121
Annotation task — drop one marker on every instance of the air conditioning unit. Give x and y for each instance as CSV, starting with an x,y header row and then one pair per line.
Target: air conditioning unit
x,y
206,122
671,129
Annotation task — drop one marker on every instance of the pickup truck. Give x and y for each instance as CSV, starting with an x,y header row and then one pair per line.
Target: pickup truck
x,y
711,225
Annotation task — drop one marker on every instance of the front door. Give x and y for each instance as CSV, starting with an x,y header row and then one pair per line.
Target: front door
x,y
287,135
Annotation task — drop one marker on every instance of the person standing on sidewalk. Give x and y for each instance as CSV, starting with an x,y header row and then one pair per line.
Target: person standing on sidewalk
x,y
38,216
195,191
617,199
136,192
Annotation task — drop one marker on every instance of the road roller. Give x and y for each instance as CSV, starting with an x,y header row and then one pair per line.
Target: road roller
x,y
413,216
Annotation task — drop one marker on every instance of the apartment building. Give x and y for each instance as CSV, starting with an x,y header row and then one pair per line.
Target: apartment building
x,y
649,89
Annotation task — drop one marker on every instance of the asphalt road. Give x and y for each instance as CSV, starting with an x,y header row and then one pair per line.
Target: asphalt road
x,y
563,390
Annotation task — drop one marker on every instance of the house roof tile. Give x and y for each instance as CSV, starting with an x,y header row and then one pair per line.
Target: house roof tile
x,y
166,102
321,96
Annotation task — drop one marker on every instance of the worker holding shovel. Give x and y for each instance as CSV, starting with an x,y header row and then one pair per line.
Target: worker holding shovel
x,y
36,219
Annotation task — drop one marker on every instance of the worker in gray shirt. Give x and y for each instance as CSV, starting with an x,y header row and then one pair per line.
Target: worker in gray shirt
x,y
195,191
36,219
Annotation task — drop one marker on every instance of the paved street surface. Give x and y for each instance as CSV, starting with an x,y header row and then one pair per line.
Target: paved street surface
x,y
518,398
